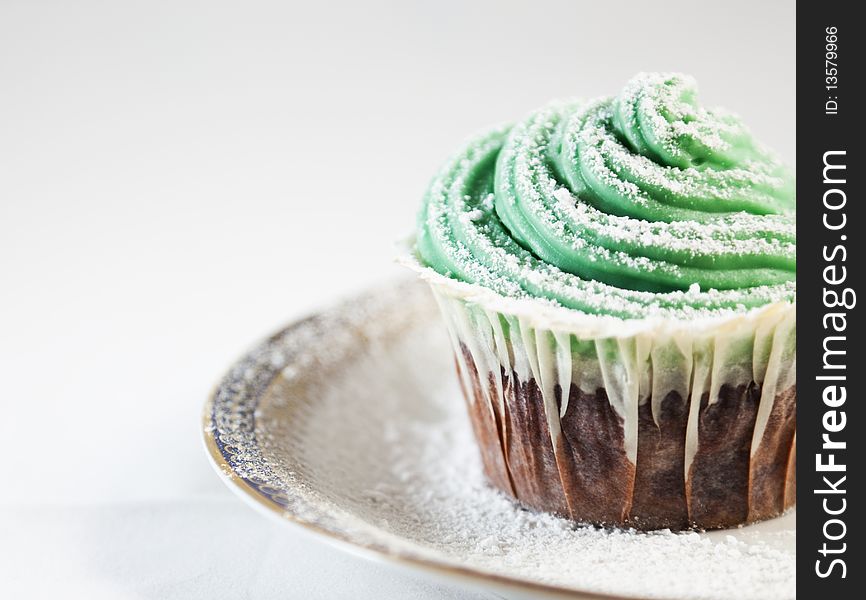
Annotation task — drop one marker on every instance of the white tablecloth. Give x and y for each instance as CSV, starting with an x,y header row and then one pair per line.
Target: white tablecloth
x,y
207,547
178,179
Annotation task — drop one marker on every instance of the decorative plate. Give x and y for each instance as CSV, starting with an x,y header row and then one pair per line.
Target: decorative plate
x,y
350,424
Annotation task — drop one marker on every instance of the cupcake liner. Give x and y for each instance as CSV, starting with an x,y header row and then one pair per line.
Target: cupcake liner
x,y
664,423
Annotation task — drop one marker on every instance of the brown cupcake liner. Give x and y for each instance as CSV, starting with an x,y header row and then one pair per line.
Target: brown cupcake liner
x,y
668,426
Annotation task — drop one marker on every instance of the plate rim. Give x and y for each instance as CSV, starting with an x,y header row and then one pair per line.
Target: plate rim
x,y
439,570
263,505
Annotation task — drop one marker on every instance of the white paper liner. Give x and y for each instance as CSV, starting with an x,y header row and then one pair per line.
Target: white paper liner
x,y
634,361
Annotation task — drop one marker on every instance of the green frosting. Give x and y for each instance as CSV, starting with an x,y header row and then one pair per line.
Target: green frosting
x,y
639,205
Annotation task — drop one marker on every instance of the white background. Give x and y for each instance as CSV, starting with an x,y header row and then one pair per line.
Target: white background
x,y
178,179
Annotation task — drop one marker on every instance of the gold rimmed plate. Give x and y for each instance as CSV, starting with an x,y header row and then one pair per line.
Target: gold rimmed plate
x,y
350,424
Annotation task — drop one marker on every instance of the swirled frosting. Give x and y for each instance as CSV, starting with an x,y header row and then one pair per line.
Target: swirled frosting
x,y
639,205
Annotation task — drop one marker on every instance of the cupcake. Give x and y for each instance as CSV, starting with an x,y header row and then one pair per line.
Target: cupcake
x,y
618,278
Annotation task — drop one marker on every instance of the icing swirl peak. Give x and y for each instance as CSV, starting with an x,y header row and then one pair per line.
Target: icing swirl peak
x,y
639,205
